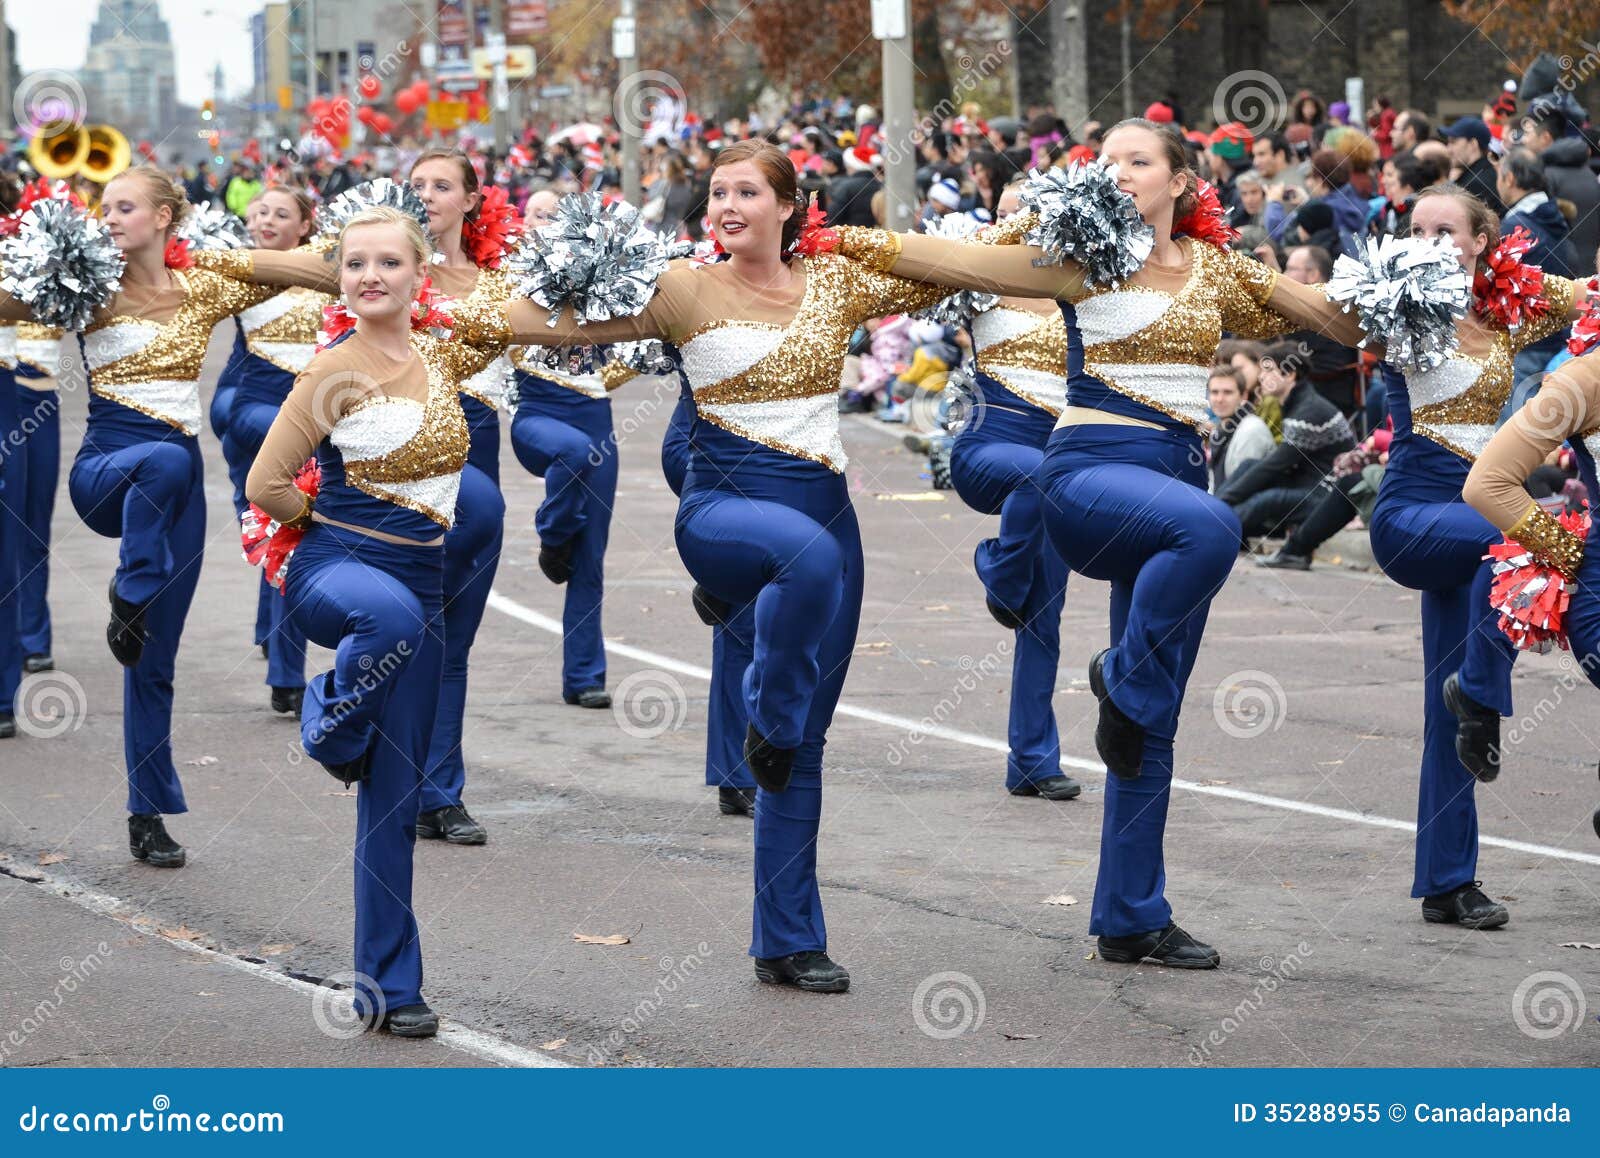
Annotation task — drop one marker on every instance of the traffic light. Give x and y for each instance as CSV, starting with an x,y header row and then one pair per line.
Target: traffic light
x,y
208,109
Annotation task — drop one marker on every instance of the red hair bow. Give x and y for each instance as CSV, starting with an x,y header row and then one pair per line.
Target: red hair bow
x,y
489,236
1208,220
1510,290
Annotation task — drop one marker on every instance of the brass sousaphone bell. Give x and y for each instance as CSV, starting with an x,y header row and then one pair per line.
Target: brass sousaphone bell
x,y
97,152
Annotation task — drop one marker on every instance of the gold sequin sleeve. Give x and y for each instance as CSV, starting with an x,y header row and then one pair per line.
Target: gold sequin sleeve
x,y
220,297
997,268
1264,304
1565,297
1568,403
271,267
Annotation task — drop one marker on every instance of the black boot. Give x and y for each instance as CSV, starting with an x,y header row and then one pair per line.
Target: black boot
x,y
589,698
1002,614
1171,947
148,841
411,1021
1058,787
556,562
287,701
1465,906
771,766
350,771
1477,731
1117,738
814,971
713,612
1285,560
452,824
8,725
36,663
736,801
125,633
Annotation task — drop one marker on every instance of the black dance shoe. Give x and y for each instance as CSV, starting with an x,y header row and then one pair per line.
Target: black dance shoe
x,y
556,562
736,801
1050,788
1281,560
1117,738
589,698
1171,947
1003,615
1596,819
125,633
263,646
1477,731
713,612
1467,907
350,771
148,841
8,725
287,701
40,661
451,824
771,766
814,971
411,1021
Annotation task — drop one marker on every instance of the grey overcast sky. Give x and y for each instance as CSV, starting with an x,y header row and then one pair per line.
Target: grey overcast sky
x,y
55,34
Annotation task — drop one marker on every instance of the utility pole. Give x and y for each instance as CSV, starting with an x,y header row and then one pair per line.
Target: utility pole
x,y
312,78
891,24
499,91
623,47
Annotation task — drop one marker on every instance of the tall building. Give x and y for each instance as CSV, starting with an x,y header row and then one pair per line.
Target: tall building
x,y
129,75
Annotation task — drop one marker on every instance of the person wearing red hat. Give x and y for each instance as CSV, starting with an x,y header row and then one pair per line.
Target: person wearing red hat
x,y
1160,112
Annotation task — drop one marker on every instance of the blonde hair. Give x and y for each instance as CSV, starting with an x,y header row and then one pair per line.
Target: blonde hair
x,y
160,190
387,215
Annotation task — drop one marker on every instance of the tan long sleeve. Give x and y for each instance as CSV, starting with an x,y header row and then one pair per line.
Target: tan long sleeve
x,y
996,269
306,267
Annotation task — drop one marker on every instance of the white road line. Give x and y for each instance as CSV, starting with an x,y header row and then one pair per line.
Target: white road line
x,y
460,1038
937,731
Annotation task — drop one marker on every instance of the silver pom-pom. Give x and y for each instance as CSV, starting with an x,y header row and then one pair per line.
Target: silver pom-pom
x,y
1408,293
62,264
333,216
961,307
572,361
1085,218
962,403
647,357
677,249
207,227
603,261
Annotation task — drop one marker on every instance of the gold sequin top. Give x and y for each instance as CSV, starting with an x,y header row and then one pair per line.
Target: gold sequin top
x,y
1457,403
1025,350
1151,339
398,427
763,364
283,329
153,366
478,288
31,346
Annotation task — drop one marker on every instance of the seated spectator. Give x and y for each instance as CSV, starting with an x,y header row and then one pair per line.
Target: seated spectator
x,y
1279,489
1334,369
1245,356
1238,437
1349,492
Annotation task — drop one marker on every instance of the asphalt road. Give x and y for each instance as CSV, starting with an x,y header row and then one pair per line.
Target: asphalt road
x,y
1287,845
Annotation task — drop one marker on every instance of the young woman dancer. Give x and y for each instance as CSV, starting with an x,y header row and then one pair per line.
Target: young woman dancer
x,y
766,515
274,342
38,355
1020,349
379,412
1124,488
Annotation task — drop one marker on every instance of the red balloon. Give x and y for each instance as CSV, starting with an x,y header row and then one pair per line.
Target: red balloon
x,y
318,109
369,86
365,114
383,123
406,101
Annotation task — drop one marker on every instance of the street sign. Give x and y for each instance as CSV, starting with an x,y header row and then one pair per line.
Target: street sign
x,y
519,62
888,19
552,92
622,38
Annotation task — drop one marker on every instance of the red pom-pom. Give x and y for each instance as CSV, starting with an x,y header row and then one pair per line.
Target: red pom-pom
x,y
270,545
1586,330
815,236
177,254
489,236
34,191
1208,220
1530,595
1510,290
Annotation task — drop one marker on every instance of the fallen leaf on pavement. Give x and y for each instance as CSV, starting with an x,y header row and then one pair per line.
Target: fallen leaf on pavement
x,y
591,939
274,950
1579,945
53,857
1060,899
556,1044
1019,1036
181,933
1213,783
